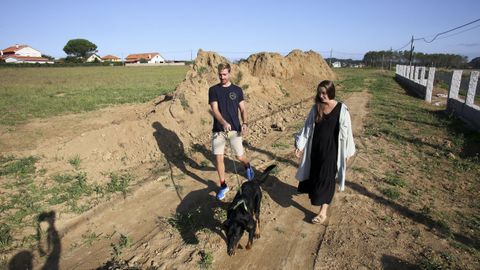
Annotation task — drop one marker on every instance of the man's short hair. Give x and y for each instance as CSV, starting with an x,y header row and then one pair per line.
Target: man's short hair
x,y
223,66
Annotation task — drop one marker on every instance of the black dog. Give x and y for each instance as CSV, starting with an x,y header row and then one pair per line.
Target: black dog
x,y
244,213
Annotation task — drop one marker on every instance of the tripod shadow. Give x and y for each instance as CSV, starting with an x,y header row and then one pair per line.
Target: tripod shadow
x,y
54,247
24,259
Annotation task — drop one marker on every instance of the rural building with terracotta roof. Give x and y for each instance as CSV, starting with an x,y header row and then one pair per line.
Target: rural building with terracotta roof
x,y
111,58
148,57
23,54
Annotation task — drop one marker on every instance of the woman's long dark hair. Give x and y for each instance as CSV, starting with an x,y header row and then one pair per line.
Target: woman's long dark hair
x,y
330,88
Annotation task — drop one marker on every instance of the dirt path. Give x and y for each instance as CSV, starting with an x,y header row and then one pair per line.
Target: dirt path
x,y
288,240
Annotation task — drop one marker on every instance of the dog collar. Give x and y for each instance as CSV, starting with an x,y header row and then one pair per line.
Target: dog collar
x,y
242,201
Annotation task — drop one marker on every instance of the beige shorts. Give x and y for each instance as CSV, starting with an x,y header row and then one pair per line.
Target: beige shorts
x,y
219,140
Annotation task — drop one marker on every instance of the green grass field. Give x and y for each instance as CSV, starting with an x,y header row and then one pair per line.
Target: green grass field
x,y
430,174
27,93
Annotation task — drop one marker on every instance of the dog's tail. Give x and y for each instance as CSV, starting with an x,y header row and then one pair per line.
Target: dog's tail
x,y
265,174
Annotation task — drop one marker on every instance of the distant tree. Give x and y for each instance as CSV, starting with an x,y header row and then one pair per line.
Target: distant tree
x,y
73,59
384,58
79,48
475,63
48,57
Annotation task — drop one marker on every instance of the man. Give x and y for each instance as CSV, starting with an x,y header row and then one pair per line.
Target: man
x,y
225,100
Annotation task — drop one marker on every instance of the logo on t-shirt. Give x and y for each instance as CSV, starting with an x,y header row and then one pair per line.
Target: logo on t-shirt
x,y
232,95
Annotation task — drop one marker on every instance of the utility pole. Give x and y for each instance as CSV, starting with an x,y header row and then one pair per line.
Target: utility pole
x,y
391,55
411,51
331,50
383,59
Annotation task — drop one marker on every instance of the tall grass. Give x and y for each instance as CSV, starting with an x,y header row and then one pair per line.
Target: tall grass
x,y
27,93
430,165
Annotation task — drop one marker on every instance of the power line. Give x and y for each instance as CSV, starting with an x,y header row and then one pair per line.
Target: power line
x,y
448,31
439,34
408,43
471,28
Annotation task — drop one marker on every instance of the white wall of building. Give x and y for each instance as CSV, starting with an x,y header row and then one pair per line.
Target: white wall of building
x,y
28,51
93,57
157,59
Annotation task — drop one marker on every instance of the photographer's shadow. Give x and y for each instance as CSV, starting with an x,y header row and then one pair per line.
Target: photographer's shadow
x,y
24,259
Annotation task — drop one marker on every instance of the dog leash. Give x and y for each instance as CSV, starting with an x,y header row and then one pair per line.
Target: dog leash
x,y
228,135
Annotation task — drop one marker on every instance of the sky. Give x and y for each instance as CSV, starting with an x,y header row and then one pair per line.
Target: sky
x,y
235,29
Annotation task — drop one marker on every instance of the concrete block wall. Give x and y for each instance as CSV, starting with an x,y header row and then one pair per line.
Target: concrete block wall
x,y
413,78
464,109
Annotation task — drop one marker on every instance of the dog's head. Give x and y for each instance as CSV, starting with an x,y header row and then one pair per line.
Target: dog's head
x,y
234,232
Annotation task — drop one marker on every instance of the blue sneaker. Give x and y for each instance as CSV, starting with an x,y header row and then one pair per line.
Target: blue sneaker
x,y
250,173
222,192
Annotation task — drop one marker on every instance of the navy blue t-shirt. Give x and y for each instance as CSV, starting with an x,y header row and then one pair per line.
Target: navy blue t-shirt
x,y
228,99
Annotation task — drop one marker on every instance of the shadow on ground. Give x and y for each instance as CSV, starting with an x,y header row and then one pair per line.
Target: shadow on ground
x,y
435,226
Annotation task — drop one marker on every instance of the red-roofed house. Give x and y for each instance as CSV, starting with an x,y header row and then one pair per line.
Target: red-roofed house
x,y
149,57
94,58
23,54
111,58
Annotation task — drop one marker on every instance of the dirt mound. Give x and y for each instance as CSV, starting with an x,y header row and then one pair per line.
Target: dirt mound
x,y
124,137
269,80
295,64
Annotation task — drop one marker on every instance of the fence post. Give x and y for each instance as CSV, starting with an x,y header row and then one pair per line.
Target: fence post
x,y
431,78
472,88
455,84
416,75
423,81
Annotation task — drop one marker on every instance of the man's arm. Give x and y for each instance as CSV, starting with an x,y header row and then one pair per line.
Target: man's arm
x,y
243,114
216,113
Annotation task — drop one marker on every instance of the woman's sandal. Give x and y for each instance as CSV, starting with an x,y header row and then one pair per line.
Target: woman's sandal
x,y
320,219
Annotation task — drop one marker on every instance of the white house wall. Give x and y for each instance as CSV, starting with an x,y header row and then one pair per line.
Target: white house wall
x,y
28,51
92,58
157,59
14,60
10,60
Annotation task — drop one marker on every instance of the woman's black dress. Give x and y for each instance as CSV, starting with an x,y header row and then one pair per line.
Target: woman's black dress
x,y
321,184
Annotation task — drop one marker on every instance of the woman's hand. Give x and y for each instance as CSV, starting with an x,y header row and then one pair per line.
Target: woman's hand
x,y
298,153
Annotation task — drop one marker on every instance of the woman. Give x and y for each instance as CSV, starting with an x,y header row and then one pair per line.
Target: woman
x,y
324,143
